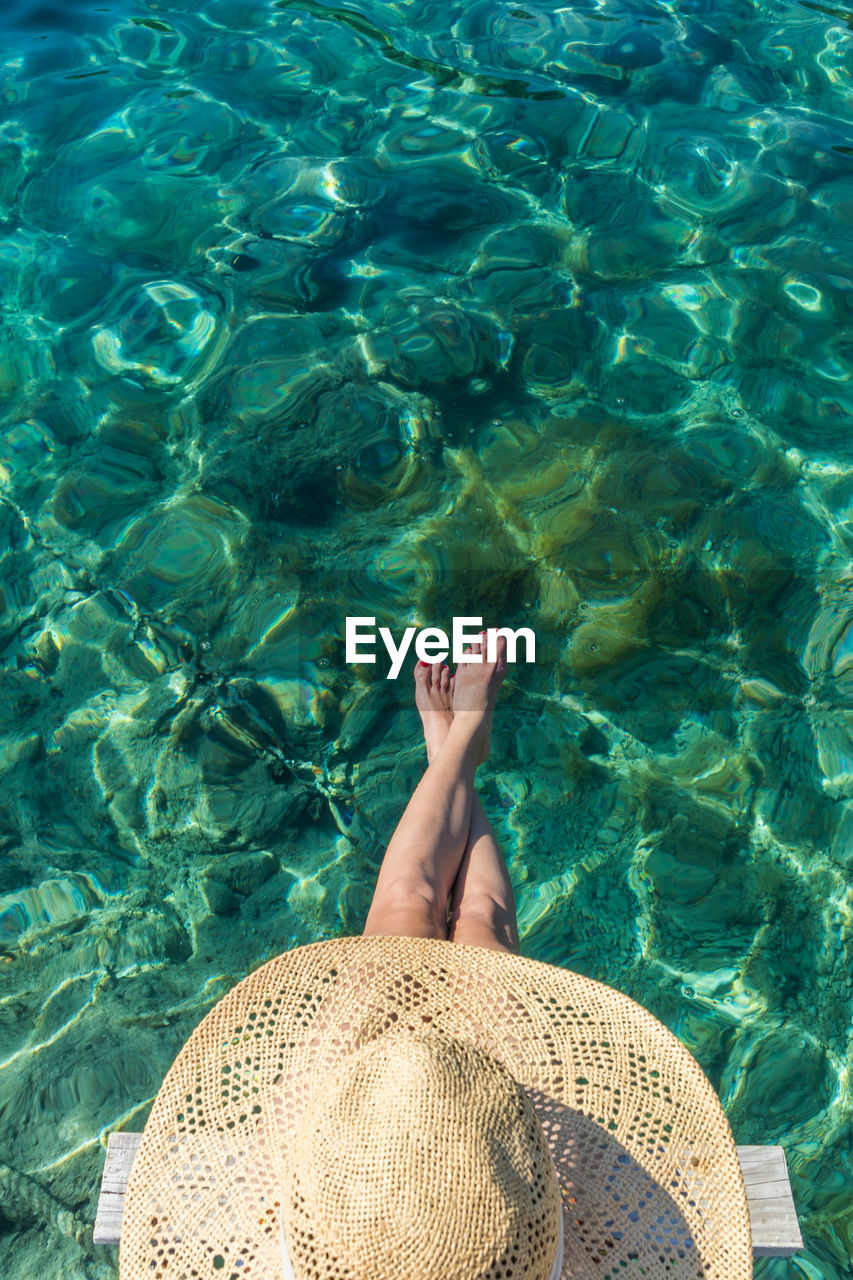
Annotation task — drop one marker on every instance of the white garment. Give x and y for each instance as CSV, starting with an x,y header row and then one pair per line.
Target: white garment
x,y
288,1269
286,1265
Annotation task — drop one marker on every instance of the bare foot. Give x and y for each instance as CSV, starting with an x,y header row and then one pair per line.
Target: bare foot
x,y
434,700
475,689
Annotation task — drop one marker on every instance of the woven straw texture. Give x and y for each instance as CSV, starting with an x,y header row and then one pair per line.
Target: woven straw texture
x,y
649,1175
447,1123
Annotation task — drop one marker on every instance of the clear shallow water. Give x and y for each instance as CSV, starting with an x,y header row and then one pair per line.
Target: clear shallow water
x,y
535,312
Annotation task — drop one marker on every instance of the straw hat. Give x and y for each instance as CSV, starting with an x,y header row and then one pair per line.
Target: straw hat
x,y
390,1108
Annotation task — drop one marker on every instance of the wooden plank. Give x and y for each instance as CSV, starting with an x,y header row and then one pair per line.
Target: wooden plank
x,y
121,1150
772,1216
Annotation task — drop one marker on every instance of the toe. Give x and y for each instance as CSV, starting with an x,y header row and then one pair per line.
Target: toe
x,y
435,674
421,673
444,679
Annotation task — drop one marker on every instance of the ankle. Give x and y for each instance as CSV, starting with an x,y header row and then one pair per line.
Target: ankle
x,y
469,732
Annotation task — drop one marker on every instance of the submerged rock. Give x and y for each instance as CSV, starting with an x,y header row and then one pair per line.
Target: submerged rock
x,y
24,1199
166,333
791,1074
176,561
62,901
229,880
436,344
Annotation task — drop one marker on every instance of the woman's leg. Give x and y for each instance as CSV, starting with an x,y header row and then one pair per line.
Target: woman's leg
x,y
426,849
481,907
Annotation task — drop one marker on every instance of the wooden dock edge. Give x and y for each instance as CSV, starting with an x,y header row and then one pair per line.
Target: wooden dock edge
x,y
772,1216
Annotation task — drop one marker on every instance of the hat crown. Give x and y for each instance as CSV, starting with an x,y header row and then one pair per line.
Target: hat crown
x,y
422,1156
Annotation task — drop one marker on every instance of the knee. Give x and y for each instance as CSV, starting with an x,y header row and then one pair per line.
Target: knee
x,y
479,910
484,922
414,896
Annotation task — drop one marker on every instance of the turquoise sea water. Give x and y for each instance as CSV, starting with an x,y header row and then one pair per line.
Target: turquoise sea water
x,y
536,312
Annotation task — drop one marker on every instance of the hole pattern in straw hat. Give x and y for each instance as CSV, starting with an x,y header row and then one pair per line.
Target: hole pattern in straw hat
x,y
647,1168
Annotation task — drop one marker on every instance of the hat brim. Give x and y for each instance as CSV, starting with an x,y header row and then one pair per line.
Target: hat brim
x,y
647,1165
